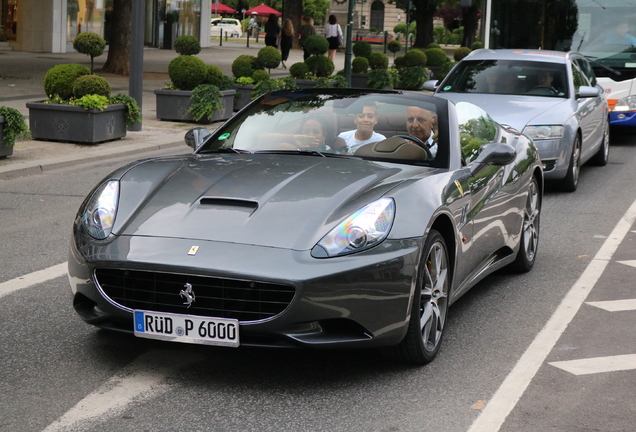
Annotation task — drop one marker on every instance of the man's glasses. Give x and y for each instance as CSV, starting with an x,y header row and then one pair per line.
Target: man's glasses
x,y
367,115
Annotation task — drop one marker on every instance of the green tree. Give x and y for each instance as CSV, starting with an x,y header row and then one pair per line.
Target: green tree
x,y
317,9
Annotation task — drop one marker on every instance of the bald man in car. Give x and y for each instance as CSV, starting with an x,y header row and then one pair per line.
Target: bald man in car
x,y
421,123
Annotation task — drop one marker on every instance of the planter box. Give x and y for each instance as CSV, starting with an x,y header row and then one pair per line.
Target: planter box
x,y
359,80
173,105
243,97
67,123
5,150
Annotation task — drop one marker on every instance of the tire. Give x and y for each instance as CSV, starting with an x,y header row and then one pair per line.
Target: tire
x,y
571,180
430,305
527,253
602,156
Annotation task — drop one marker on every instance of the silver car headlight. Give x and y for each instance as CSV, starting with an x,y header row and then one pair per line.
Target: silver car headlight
x,y
626,104
99,214
544,132
362,230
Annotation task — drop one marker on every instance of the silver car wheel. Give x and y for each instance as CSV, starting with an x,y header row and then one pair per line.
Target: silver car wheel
x,y
434,296
531,222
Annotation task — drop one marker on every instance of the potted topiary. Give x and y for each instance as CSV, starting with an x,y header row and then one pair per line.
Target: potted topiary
x,y
435,59
359,70
182,100
80,109
412,71
12,127
91,44
382,78
394,47
243,67
269,57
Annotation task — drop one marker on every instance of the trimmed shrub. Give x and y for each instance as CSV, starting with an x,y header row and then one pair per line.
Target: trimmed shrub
x,y
186,72
400,28
269,57
394,47
316,45
477,45
360,65
260,75
460,53
436,56
213,75
299,70
415,57
91,84
244,66
444,70
434,45
320,66
59,80
89,43
187,45
378,60
439,32
399,62
362,49
413,77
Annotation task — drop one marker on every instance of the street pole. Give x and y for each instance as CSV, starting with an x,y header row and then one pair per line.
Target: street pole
x,y
349,45
136,79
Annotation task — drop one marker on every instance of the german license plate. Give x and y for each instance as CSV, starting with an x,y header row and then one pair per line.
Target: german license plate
x,y
187,328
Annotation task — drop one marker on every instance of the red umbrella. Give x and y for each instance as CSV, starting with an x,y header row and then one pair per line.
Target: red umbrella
x,y
221,9
263,10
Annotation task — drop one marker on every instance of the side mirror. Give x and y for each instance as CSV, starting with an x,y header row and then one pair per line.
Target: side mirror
x,y
430,85
196,137
587,92
493,154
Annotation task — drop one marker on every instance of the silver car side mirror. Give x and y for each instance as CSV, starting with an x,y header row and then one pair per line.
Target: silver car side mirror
x,y
587,92
196,137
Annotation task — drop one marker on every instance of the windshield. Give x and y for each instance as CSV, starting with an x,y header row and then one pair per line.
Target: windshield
x,y
339,123
511,77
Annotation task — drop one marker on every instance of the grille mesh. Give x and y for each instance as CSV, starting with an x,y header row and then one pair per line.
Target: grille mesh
x,y
215,297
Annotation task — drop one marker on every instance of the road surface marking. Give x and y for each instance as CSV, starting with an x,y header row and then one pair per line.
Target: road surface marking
x,y
515,384
597,364
142,379
629,263
32,279
615,305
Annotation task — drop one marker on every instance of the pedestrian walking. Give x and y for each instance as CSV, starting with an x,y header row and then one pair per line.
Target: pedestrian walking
x,y
306,30
272,31
333,33
286,39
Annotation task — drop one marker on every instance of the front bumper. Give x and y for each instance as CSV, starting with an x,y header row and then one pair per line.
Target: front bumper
x,y
623,118
360,300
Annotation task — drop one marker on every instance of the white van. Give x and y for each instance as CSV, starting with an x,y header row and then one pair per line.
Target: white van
x,y
230,26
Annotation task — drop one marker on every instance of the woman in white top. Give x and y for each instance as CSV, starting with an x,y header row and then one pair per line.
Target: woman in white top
x,y
333,33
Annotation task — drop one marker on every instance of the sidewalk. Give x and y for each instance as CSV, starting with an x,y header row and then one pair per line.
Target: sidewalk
x,y
22,74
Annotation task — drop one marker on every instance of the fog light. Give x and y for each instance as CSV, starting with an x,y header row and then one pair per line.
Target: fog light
x,y
621,116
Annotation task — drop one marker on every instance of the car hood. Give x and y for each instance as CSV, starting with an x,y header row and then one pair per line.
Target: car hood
x,y
286,201
517,111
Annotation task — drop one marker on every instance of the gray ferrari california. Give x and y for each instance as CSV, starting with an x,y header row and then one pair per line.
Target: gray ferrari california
x,y
312,218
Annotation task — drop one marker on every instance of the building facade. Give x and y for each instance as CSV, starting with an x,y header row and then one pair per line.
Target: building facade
x,y
51,25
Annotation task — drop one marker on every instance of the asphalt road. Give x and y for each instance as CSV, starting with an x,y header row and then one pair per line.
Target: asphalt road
x,y
59,374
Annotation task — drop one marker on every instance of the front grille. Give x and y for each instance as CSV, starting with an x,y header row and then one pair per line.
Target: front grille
x,y
243,300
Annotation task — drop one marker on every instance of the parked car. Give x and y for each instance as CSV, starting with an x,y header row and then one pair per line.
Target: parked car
x,y
271,234
550,96
229,26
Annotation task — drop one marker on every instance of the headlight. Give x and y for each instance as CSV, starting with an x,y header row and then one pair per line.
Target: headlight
x,y
100,211
546,132
362,230
626,104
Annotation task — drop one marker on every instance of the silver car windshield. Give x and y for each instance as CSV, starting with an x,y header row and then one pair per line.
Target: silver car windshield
x,y
510,77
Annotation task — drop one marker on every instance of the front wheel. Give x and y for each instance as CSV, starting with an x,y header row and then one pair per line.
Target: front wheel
x,y
430,304
529,241
571,180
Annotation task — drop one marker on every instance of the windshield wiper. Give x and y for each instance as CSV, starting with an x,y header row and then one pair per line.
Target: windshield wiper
x,y
592,59
299,151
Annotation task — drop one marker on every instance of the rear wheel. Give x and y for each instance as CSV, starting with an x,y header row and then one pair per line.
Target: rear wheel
x,y
530,231
571,180
430,305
